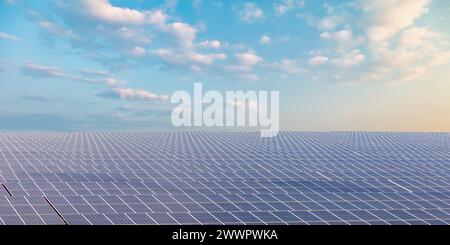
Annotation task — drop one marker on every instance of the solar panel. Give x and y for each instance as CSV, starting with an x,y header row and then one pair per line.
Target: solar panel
x,y
118,177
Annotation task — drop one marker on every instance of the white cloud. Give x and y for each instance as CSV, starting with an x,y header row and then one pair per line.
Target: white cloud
x,y
214,44
57,30
112,81
168,55
134,35
326,35
183,32
10,37
244,65
386,18
121,33
186,58
317,60
250,13
284,6
206,58
133,94
288,66
238,68
184,52
179,37
415,36
39,71
402,50
42,71
102,10
248,59
265,39
395,48
137,51
353,58
415,54
330,22
345,39
95,72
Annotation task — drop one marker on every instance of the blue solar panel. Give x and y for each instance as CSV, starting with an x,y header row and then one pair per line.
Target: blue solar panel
x,y
224,178
206,218
163,218
184,218
97,219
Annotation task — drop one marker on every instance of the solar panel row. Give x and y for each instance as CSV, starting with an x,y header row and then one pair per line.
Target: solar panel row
x,y
224,178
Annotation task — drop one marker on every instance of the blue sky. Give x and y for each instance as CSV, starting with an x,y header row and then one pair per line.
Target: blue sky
x,y
339,65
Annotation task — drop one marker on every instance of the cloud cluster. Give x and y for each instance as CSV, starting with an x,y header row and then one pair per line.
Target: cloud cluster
x,y
387,18
401,49
126,37
376,40
388,45
115,90
123,34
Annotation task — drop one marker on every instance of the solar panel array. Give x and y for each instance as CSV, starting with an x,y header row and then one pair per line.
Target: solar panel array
x,y
224,178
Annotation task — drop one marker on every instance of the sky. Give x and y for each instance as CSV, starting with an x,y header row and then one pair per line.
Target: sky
x,y
379,65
